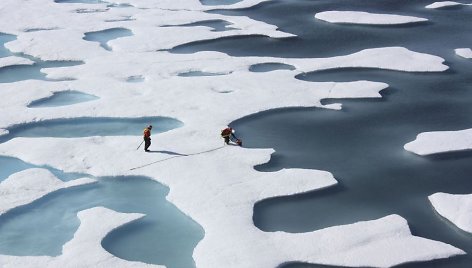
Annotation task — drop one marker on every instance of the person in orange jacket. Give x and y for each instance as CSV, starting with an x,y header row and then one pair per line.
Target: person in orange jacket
x,y
228,134
147,138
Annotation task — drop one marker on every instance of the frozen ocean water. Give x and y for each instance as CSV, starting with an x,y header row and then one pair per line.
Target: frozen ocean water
x,y
62,98
41,228
362,144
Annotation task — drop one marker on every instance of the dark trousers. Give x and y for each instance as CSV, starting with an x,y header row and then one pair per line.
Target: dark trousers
x,y
147,143
231,137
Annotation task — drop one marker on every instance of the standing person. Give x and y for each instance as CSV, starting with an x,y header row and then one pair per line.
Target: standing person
x,y
147,138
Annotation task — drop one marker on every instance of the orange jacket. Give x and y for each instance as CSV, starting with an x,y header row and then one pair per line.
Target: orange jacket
x,y
147,133
226,132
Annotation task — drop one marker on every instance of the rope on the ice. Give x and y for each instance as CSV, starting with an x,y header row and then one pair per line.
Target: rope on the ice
x,y
169,158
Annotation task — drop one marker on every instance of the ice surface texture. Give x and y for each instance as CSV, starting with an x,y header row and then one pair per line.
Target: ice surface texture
x,y
456,208
440,142
356,17
464,52
444,4
216,186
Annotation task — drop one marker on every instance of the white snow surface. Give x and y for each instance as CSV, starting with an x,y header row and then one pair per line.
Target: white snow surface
x,y
218,186
359,17
443,4
29,185
220,194
427,143
457,208
84,250
464,52
389,234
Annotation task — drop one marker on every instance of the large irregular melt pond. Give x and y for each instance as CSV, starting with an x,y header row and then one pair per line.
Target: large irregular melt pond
x,y
164,236
91,126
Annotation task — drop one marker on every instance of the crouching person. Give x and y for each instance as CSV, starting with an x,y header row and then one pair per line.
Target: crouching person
x,y
228,135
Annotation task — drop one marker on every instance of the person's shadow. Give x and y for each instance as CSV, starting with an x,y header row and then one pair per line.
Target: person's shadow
x,y
167,152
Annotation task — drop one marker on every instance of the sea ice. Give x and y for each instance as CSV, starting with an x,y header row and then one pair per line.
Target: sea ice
x,y
388,234
454,207
218,186
14,61
55,40
357,17
464,52
220,196
443,4
440,142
